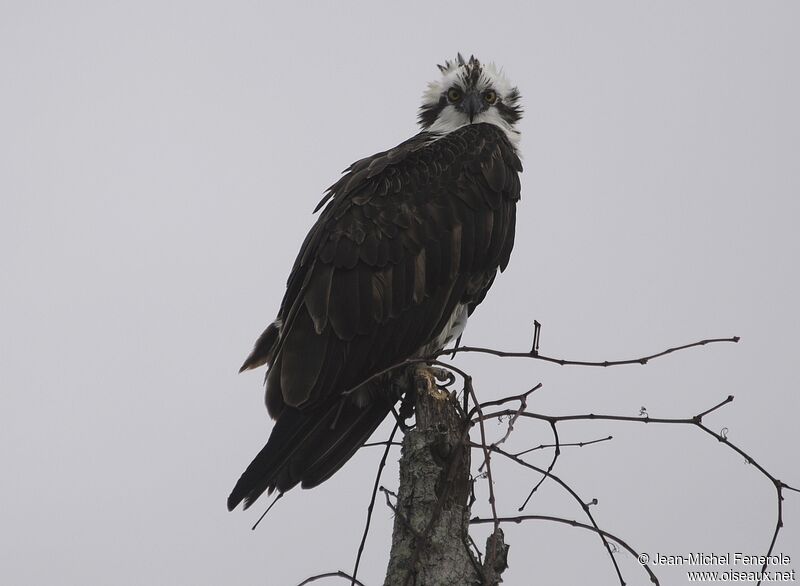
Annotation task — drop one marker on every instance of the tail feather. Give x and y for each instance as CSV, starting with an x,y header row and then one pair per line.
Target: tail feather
x,y
288,435
308,447
264,347
348,444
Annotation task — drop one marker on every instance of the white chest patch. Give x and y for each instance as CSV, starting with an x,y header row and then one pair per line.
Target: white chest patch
x,y
450,119
452,330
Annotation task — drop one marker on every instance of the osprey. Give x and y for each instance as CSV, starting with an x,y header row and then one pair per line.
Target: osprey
x,y
407,246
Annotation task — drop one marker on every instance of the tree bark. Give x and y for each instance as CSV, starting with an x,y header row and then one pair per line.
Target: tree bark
x,y
430,540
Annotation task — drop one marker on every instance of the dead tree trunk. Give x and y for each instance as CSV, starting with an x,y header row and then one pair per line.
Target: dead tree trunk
x,y
430,540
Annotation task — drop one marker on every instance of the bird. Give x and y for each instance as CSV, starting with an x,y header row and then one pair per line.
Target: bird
x,y
407,245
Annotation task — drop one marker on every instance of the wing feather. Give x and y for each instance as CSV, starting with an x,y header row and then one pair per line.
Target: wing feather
x,y
345,303
302,357
317,296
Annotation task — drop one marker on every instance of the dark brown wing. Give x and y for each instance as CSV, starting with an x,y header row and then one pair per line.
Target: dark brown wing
x,y
406,237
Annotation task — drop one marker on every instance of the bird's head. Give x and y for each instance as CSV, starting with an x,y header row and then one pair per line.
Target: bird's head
x,y
469,92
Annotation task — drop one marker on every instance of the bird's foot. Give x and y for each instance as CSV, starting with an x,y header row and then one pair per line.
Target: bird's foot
x,y
425,378
444,376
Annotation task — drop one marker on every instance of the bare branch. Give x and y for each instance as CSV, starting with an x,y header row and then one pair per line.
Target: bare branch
x,y
494,561
269,508
371,506
605,363
696,421
573,523
522,398
556,454
376,444
779,486
534,354
337,574
573,494
418,536
569,445
491,551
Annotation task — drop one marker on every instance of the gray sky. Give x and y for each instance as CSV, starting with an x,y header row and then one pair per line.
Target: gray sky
x,y
158,167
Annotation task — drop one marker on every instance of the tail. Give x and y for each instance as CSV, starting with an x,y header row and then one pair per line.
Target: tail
x,y
265,347
308,447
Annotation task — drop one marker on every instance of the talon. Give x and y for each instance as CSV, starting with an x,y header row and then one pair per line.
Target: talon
x,y
444,376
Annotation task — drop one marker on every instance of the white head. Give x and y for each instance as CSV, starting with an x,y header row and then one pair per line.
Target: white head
x,y
468,93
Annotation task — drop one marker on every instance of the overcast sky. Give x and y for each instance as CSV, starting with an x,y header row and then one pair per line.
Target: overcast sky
x,y
159,162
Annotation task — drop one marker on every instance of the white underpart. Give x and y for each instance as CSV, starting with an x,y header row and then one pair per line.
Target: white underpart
x,y
452,330
451,119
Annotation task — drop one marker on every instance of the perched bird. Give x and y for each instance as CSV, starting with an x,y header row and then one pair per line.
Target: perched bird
x,y
407,246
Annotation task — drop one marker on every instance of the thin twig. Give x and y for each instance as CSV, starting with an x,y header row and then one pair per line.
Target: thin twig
x,y
338,574
477,551
779,487
269,508
569,445
537,331
573,523
604,363
376,444
468,389
417,536
595,417
523,405
522,398
571,491
536,356
371,506
556,454
696,421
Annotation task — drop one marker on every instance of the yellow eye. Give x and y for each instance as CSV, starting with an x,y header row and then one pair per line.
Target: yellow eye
x,y
454,94
490,97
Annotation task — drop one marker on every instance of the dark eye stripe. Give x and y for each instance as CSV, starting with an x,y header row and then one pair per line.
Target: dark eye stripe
x,y
509,113
507,107
428,113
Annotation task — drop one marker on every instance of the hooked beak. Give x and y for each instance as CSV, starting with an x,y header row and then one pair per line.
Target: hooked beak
x,y
472,106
